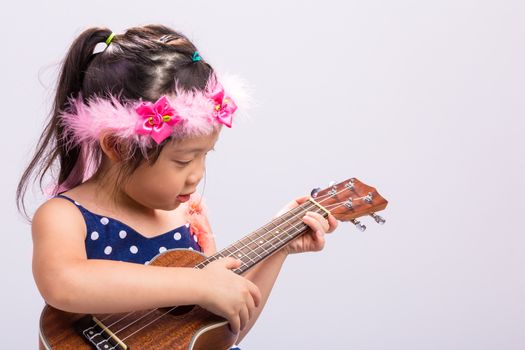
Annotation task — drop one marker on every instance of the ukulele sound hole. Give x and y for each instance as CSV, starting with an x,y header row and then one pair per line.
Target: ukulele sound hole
x,y
178,310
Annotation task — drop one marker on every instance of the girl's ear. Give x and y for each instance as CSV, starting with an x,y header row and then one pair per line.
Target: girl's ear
x,y
110,146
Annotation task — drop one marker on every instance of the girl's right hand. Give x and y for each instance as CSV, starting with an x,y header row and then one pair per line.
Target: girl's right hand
x,y
229,295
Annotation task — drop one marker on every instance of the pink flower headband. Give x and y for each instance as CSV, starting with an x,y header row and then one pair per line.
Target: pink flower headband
x,y
158,119
186,113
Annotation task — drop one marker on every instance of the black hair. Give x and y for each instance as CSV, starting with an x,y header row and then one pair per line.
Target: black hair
x,y
144,62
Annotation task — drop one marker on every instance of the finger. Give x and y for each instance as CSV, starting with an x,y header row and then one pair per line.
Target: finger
x,y
251,306
321,219
236,327
235,324
255,293
319,245
314,225
301,200
332,221
245,317
230,262
292,204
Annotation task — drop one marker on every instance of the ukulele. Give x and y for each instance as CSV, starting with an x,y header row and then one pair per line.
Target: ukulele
x,y
191,327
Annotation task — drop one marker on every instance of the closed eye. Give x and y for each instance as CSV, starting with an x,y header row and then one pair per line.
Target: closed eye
x,y
186,162
181,162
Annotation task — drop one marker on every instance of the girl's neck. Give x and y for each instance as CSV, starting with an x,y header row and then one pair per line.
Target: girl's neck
x,y
99,194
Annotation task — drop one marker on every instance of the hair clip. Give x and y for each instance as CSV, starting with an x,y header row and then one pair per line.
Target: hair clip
x,y
196,56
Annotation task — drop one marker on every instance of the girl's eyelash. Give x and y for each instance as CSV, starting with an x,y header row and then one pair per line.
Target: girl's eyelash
x,y
183,162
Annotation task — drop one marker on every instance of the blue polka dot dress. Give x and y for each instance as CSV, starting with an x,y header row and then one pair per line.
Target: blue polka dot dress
x,y
111,239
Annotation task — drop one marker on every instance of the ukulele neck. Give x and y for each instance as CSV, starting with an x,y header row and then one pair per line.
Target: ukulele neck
x,y
268,239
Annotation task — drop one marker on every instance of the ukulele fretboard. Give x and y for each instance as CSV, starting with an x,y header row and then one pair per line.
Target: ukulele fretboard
x,y
268,239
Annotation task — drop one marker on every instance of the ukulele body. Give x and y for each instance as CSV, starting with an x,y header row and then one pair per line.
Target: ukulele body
x,y
185,327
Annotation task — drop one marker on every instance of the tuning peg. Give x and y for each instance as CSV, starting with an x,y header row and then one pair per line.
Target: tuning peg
x,y
368,198
331,183
358,225
378,219
350,184
314,192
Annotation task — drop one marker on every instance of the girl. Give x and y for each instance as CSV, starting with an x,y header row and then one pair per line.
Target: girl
x,y
131,126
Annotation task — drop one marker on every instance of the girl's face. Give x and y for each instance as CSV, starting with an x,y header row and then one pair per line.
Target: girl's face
x,y
176,173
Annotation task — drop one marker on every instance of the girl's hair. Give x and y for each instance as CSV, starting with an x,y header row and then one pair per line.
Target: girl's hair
x,y
143,63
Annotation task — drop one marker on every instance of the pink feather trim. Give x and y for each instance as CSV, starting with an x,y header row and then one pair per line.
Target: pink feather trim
x,y
84,123
199,225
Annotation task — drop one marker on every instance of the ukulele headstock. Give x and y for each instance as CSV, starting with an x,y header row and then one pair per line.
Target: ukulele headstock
x,y
351,199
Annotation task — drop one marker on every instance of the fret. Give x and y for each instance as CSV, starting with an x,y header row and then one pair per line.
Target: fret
x,y
249,245
265,241
274,232
261,251
240,249
229,251
250,255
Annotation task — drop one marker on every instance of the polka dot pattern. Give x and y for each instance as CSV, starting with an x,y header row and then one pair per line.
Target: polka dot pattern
x,y
109,238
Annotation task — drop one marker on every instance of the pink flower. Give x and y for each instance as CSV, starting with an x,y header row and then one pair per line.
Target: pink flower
x,y
157,119
199,226
224,106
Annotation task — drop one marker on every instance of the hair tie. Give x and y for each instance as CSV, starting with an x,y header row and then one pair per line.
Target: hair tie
x,y
196,56
110,37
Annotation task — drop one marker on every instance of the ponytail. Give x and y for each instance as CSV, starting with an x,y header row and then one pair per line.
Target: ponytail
x,y
142,63
53,143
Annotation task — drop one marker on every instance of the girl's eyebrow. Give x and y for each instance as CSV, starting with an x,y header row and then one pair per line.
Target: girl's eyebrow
x,y
192,150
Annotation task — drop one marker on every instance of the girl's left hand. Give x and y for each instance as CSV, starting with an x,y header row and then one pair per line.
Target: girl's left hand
x,y
313,240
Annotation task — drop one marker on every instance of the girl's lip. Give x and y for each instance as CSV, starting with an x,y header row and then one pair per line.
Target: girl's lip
x,y
183,197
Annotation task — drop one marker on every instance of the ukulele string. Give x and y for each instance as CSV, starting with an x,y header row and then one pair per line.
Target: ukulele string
x,y
284,222
111,325
318,200
293,227
313,206
162,315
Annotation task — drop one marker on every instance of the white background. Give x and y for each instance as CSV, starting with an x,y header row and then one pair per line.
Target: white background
x,y
421,99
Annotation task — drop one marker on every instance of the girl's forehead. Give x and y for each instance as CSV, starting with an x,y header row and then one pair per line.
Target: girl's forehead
x,y
193,144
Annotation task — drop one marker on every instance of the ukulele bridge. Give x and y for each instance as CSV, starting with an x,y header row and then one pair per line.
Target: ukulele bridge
x,y
98,335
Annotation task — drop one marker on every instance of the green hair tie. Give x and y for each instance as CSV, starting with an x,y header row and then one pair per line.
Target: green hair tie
x,y
110,37
196,56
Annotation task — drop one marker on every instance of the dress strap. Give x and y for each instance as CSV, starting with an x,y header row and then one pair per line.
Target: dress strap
x,y
68,198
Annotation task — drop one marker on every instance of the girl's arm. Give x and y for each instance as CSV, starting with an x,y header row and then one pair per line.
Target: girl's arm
x,y
265,273
69,281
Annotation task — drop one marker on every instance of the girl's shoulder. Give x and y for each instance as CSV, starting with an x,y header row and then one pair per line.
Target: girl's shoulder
x,y
57,212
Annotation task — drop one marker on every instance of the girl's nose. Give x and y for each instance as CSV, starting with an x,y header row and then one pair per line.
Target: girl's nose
x,y
195,176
